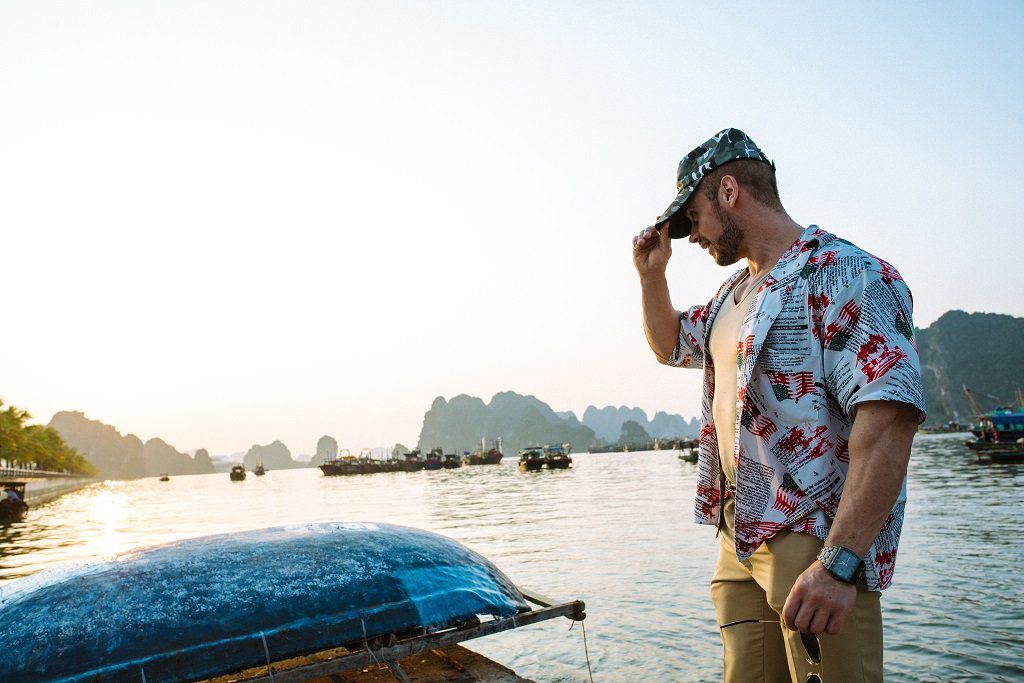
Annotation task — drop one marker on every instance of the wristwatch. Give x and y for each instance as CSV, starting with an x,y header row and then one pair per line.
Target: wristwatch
x,y
842,563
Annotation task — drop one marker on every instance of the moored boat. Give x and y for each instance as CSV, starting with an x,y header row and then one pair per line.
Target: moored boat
x,y
237,473
165,477
12,501
491,456
531,459
452,461
1002,424
434,459
556,456
344,464
260,470
413,461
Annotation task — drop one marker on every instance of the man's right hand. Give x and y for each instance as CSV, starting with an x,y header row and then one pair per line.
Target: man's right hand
x,y
651,251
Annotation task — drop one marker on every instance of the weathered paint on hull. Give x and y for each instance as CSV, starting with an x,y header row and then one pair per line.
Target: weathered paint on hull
x,y
210,605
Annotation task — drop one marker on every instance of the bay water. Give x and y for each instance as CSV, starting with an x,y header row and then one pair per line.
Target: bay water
x,y
615,531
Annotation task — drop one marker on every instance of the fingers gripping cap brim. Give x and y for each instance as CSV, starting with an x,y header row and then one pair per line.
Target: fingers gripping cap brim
x,y
679,225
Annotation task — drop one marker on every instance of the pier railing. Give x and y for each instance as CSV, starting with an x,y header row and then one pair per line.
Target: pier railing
x,y
24,472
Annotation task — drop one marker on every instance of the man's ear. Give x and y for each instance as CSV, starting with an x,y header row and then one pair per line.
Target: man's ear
x,y
728,191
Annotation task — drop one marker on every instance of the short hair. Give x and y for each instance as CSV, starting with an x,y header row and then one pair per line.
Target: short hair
x,y
755,176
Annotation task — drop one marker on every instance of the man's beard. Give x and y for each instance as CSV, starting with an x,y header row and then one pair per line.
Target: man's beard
x,y
727,246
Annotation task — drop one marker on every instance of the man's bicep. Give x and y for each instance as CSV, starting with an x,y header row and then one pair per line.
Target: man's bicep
x,y
886,426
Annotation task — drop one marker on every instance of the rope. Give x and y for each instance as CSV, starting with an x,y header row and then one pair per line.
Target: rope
x,y
586,651
266,651
143,672
366,643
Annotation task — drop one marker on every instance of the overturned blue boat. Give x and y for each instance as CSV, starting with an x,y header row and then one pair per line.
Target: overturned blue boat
x,y
219,604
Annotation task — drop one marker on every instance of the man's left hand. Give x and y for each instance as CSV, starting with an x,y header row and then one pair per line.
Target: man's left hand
x,y
818,603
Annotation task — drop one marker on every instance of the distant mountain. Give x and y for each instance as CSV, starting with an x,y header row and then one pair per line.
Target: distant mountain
x,y
607,423
274,456
123,457
983,351
326,449
459,424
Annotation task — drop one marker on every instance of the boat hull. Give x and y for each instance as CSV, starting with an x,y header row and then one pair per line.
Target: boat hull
x,y
531,465
492,458
314,586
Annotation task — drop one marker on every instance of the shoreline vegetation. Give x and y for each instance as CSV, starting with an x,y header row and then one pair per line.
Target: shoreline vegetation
x,y
37,447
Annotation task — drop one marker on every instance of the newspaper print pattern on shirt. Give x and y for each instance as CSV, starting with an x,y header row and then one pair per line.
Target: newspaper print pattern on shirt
x,y
830,327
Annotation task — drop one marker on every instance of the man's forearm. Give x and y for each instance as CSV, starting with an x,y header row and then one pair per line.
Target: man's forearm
x,y
661,321
879,453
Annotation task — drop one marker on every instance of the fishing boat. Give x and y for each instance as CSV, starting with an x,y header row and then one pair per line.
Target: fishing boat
x,y
260,470
413,461
12,508
556,456
688,450
332,598
687,455
531,459
491,456
1001,455
344,464
165,477
237,473
1001,424
434,459
997,451
452,461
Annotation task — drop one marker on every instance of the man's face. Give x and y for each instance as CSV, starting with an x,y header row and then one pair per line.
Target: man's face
x,y
714,229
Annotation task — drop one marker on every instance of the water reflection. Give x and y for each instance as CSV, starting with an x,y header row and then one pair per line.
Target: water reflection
x,y
614,531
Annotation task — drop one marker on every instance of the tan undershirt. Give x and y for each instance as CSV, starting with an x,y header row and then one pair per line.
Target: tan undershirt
x,y
725,332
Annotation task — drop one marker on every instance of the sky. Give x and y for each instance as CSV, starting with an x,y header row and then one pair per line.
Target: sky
x,y
226,223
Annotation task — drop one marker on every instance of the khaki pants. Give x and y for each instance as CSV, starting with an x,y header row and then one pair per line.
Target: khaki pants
x,y
757,590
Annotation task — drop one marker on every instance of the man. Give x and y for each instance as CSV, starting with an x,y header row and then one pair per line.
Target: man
x,y
812,396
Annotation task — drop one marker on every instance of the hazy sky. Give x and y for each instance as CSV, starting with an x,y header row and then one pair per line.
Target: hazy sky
x,y
231,222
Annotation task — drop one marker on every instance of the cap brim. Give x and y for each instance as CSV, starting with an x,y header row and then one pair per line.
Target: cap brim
x,y
679,225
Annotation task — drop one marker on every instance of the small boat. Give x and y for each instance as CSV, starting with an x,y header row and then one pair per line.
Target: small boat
x,y
1002,424
452,461
344,464
687,454
998,451
12,507
492,456
434,459
379,591
260,470
531,459
164,477
556,456
413,461
688,450
237,473
1007,455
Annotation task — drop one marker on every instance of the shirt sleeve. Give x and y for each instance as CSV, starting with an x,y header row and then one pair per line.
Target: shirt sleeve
x,y
689,351
869,349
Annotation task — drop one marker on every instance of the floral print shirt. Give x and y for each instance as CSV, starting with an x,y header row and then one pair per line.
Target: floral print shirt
x,y
830,327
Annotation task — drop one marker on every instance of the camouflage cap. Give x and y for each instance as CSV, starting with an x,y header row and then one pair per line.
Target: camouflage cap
x,y
725,146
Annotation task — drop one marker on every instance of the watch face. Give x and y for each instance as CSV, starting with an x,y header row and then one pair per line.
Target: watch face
x,y
842,563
